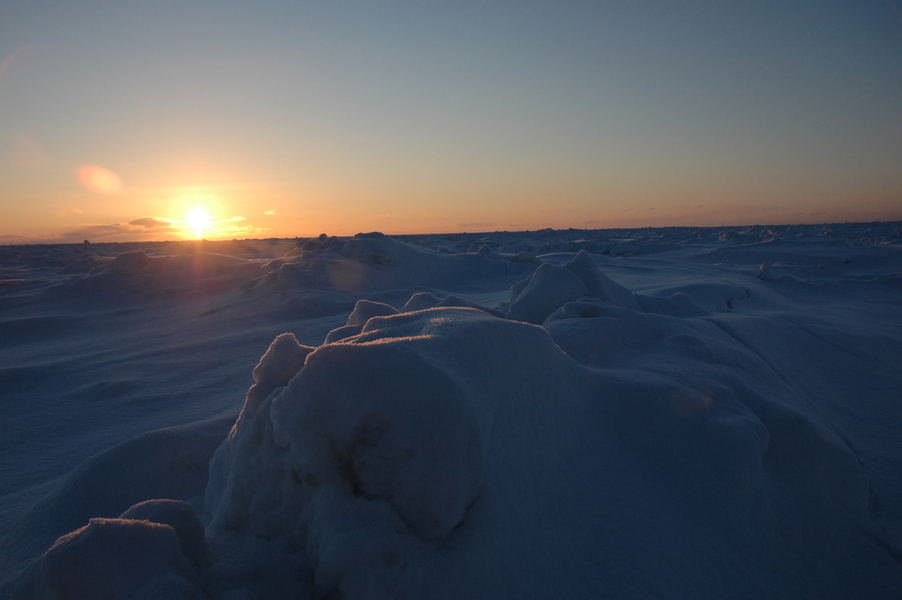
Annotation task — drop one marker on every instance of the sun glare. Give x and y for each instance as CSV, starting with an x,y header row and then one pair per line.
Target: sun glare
x,y
198,220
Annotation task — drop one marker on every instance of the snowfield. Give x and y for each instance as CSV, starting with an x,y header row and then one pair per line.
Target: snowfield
x,y
652,413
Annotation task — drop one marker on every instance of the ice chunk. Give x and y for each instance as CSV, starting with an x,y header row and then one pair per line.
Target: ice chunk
x,y
370,248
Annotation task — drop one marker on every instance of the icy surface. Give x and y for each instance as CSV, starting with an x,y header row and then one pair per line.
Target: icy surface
x,y
585,414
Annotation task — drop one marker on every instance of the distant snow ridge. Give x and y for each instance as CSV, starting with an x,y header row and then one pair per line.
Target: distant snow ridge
x,y
374,261
138,275
363,263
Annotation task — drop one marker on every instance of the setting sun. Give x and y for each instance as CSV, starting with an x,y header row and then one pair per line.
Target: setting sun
x,y
198,220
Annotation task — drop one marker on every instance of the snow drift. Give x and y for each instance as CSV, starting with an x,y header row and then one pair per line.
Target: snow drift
x,y
564,431
447,453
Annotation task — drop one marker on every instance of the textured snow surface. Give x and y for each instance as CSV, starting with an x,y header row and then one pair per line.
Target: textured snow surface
x,y
583,414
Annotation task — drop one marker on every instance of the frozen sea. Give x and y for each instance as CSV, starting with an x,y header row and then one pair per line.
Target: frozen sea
x,y
648,413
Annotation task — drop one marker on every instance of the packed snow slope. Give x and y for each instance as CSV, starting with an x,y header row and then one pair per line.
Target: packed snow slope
x,y
654,413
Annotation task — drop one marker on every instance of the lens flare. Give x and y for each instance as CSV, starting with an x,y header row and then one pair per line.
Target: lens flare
x,y
100,180
198,220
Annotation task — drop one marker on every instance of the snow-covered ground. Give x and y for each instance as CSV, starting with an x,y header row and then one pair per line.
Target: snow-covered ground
x,y
666,413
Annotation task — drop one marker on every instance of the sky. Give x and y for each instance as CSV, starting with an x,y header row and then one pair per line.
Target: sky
x,y
120,119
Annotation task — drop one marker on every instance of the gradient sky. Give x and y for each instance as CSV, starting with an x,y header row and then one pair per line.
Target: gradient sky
x,y
285,119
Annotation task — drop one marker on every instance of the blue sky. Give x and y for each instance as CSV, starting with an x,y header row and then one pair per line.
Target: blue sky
x,y
295,118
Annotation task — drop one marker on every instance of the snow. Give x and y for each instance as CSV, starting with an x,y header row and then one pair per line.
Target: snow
x,y
117,558
671,412
550,287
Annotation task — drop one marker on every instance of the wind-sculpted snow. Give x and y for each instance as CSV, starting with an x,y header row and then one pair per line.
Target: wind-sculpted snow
x,y
525,419
168,463
445,452
435,434
533,299
149,552
550,287
313,275
396,431
117,558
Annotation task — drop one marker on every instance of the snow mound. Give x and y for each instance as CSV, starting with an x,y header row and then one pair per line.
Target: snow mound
x,y
381,443
435,443
364,310
533,299
117,559
129,263
420,301
599,285
550,287
85,264
282,360
167,463
583,308
200,265
183,519
367,309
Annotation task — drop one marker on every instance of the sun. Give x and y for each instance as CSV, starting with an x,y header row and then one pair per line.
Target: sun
x,y
198,220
